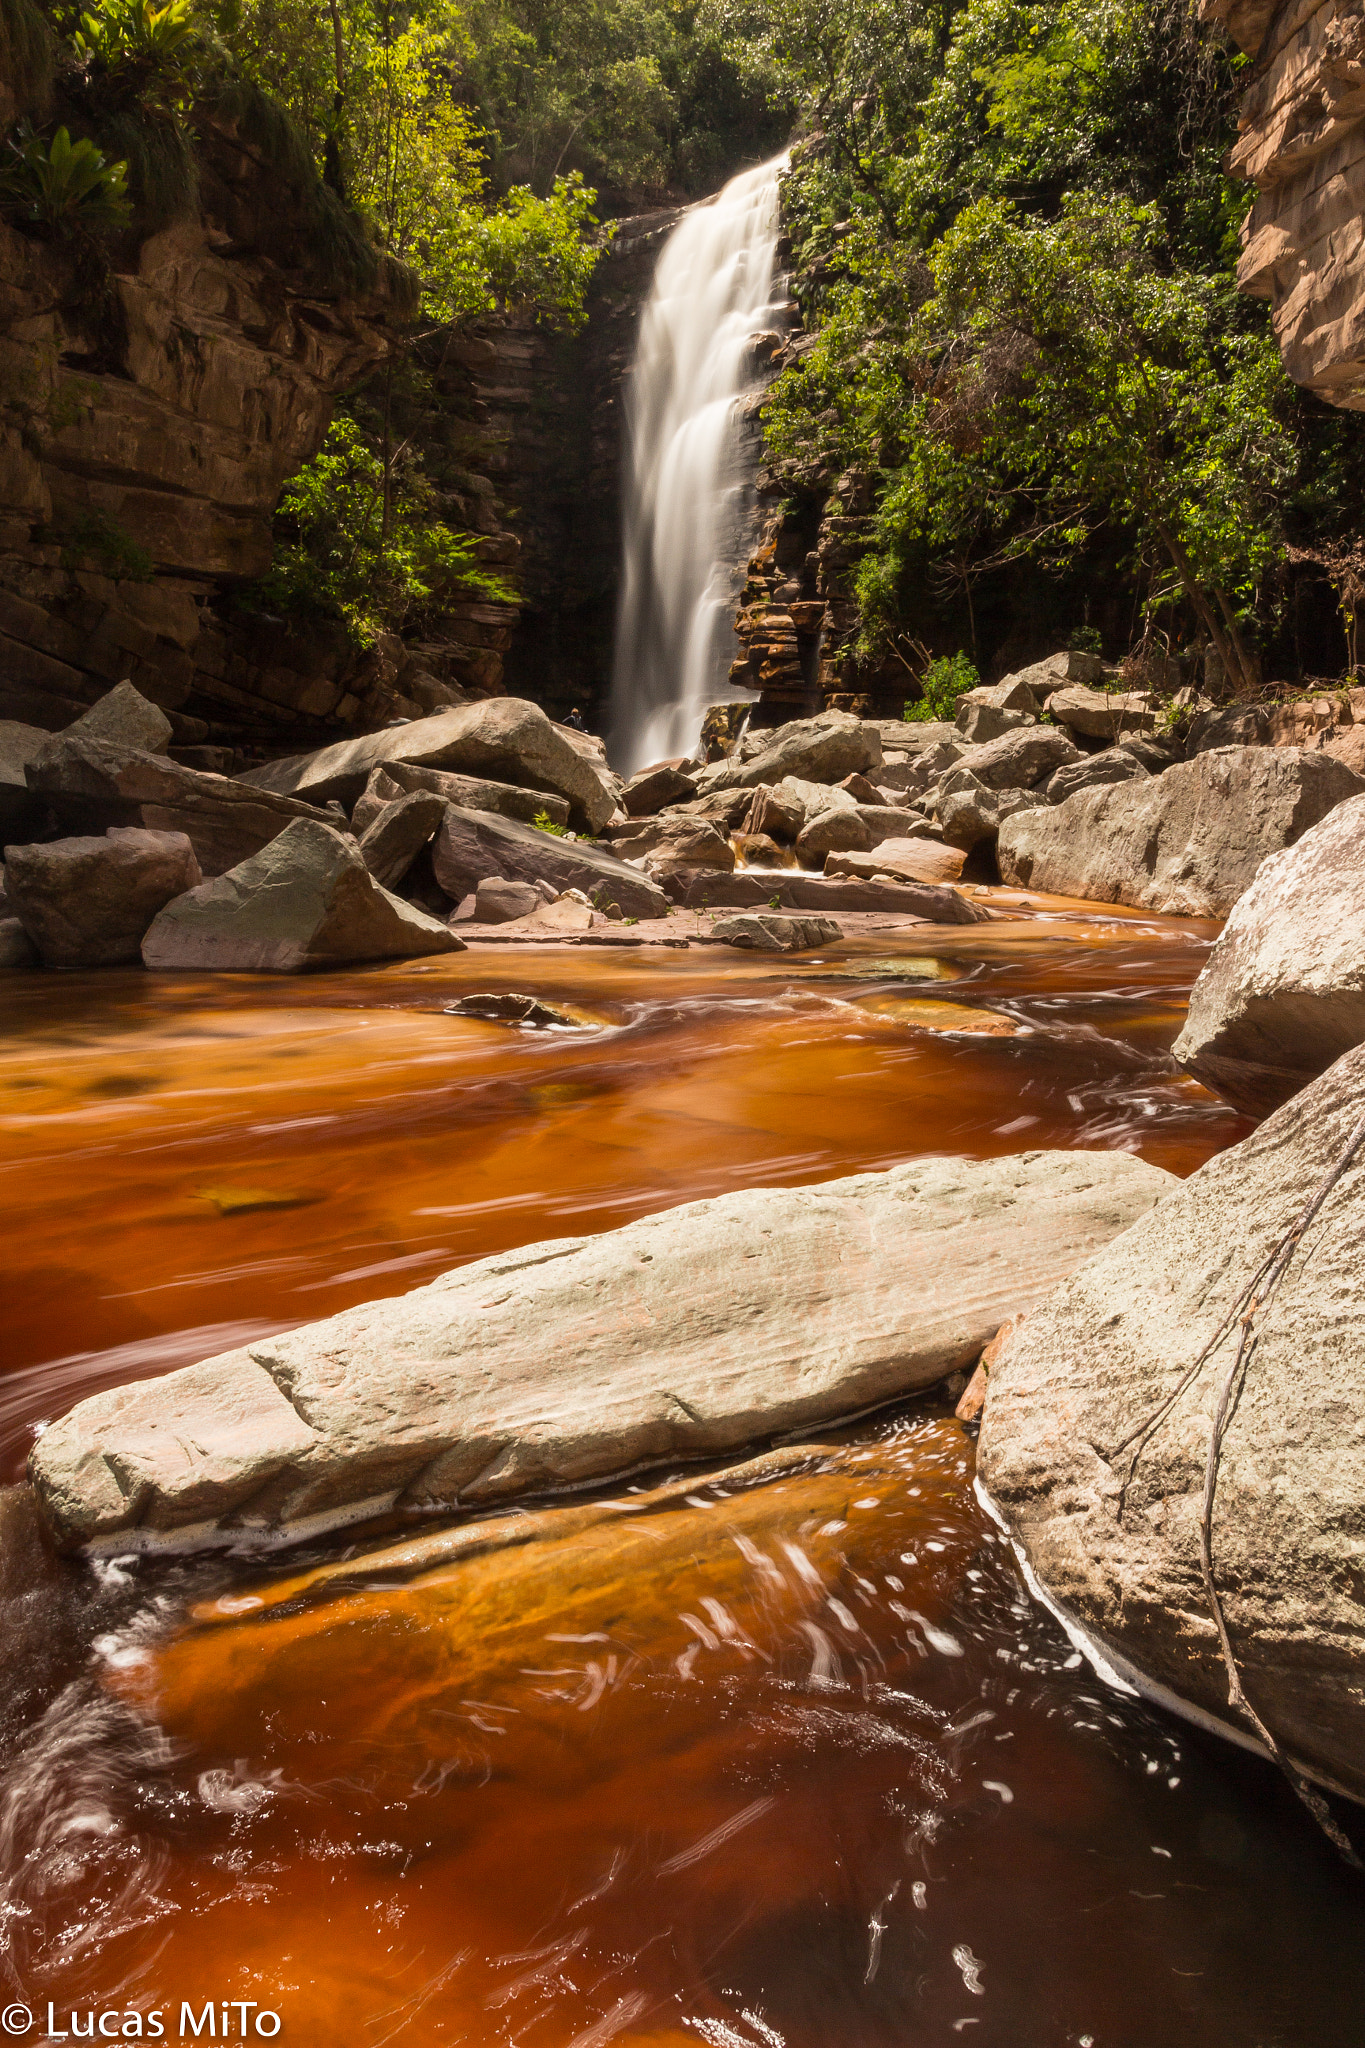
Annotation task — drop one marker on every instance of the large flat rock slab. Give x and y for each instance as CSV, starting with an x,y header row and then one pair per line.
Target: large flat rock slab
x,y
505,739
698,1330
1083,1372
788,889
1283,993
1186,843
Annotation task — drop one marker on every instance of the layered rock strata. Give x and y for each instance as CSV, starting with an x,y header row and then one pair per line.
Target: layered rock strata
x,y
1303,146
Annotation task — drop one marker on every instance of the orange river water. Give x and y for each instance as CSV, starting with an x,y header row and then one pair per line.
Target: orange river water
x,y
781,1756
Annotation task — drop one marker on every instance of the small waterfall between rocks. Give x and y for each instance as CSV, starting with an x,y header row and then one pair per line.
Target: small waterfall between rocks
x,y
687,495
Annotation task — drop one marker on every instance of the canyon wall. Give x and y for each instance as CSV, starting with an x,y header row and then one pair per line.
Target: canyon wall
x,y
1303,146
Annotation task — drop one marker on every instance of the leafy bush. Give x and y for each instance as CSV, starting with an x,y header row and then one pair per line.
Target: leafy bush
x,y
942,683
364,542
63,186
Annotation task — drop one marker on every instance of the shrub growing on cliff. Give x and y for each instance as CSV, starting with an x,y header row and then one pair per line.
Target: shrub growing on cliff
x,y
943,682
62,186
364,542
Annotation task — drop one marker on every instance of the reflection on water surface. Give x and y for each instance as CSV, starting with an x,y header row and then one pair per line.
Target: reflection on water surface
x,y
779,1756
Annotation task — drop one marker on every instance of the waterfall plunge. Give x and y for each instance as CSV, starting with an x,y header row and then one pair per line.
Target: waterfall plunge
x,y
684,497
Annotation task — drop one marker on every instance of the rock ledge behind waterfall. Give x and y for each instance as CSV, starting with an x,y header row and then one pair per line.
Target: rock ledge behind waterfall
x,y
692,1332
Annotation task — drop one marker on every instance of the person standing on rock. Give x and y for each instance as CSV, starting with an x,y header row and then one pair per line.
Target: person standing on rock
x,y
575,720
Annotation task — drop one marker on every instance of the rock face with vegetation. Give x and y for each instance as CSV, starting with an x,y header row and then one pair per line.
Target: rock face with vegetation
x,y
1283,994
690,1332
1079,1382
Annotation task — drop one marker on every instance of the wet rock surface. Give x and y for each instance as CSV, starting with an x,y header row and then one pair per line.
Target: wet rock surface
x,y
1283,994
1086,1370
692,1331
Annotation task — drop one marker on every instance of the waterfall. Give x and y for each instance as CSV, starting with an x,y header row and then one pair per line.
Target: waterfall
x,y
686,501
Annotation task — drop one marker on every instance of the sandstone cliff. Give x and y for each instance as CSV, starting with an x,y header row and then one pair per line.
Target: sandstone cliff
x,y
1303,146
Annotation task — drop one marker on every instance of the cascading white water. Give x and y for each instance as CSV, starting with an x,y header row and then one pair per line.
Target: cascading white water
x,y
684,495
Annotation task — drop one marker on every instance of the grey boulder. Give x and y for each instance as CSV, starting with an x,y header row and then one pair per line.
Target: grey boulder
x,y
983,714
1103,714
970,815
837,829
1083,1372
92,784
1186,843
1092,771
675,839
16,947
772,933
124,717
87,902
789,889
474,844
393,839
823,749
1017,760
305,900
499,902
916,859
504,738
21,809
775,813
654,789
686,1334
1283,993
467,792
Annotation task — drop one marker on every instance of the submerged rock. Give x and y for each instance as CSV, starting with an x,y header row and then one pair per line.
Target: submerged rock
x,y
1283,993
472,845
1186,843
688,1333
512,1009
1088,1367
306,900
503,737
87,902
775,934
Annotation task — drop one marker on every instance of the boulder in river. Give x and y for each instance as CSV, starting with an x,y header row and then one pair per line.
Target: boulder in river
x,y
396,835
306,900
835,830
776,813
675,839
87,902
688,1333
823,749
473,844
1283,993
1086,1371
503,737
1186,843
92,784
770,932
466,792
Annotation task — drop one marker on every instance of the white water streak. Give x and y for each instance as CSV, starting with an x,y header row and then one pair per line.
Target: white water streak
x,y
713,289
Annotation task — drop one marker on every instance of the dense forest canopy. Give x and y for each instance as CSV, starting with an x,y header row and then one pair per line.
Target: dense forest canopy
x,y
1010,231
